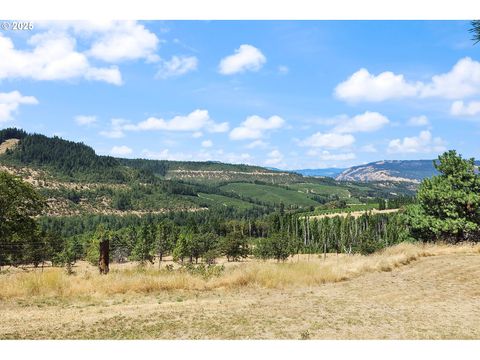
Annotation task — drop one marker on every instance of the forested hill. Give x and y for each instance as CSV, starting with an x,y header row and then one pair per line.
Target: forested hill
x,y
76,181
210,171
63,158
78,162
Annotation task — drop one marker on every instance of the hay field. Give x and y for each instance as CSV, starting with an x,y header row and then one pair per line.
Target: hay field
x,y
405,292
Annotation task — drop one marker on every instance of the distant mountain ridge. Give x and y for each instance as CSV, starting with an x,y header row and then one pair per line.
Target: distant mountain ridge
x,y
413,171
326,172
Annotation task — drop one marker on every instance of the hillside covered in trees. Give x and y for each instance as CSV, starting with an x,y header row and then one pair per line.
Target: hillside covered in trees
x,y
76,181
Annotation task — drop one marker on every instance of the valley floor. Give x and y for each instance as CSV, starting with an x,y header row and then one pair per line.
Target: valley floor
x,y
433,297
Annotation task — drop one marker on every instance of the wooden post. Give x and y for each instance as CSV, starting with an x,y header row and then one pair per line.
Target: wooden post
x,y
103,261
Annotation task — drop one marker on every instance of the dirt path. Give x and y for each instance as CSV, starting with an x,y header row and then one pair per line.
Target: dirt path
x,y
433,298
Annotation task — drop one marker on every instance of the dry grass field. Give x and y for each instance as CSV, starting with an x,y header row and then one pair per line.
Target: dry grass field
x,y
405,292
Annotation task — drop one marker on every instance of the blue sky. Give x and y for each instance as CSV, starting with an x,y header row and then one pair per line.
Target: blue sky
x,y
285,94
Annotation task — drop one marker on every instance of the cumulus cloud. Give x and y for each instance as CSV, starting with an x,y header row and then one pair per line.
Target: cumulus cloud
x,y
328,140
207,143
366,122
274,157
423,143
202,155
369,148
116,128
10,102
421,120
121,150
245,58
120,41
459,108
257,144
282,69
176,66
85,120
363,86
196,121
197,134
328,156
254,127
53,57
461,81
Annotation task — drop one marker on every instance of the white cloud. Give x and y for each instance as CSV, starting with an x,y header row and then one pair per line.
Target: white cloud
x,y
9,103
363,86
246,58
218,127
176,66
366,122
202,155
120,40
423,143
274,157
421,120
167,155
52,57
207,143
255,126
327,156
197,134
116,129
369,148
121,150
195,121
459,108
257,144
461,81
282,69
85,120
328,140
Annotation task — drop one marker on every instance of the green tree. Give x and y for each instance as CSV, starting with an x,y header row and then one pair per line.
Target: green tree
x,y
277,246
234,247
165,238
475,30
19,203
448,205
182,247
144,247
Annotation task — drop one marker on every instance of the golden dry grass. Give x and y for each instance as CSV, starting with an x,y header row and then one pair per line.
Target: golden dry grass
x,y
293,273
405,292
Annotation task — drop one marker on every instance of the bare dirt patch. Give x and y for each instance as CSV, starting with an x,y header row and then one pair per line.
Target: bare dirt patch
x,y
8,144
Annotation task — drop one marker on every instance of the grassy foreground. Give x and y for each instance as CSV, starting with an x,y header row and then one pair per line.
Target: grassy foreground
x,y
298,272
435,297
